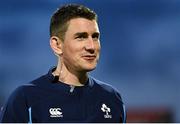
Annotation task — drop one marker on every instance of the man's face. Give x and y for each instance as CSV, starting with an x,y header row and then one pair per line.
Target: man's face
x,y
81,45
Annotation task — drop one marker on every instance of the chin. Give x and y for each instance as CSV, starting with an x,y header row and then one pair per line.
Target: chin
x,y
90,68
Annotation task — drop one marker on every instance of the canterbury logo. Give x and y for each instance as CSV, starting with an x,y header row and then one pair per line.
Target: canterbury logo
x,y
55,112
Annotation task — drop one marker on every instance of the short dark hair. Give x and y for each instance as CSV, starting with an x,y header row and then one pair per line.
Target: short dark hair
x,y
61,17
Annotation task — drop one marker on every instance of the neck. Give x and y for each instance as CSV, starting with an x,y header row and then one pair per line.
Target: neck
x,y
69,76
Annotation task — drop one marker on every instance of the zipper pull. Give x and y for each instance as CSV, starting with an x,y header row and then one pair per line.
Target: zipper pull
x,y
72,88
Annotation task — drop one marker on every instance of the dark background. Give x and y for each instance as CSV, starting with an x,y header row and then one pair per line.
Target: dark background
x,y
140,53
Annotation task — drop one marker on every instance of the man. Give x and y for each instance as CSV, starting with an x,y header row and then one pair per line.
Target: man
x,y
67,93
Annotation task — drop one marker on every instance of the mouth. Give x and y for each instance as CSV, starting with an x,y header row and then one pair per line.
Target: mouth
x,y
89,57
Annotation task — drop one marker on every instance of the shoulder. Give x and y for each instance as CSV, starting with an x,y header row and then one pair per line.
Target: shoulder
x,y
106,88
24,93
24,89
19,93
30,85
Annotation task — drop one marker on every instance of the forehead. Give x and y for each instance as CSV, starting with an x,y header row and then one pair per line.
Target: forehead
x,y
82,25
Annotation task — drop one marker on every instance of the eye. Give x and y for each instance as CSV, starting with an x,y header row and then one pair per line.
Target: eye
x,y
81,36
95,36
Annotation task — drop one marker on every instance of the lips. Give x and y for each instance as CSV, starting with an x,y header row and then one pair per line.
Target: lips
x,y
89,57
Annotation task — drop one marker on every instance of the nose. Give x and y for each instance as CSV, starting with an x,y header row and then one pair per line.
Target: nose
x,y
90,45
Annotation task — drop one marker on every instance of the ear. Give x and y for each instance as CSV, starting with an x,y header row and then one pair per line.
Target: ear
x,y
56,45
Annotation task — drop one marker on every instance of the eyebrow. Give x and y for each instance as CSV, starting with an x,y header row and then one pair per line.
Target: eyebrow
x,y
86,34
81,33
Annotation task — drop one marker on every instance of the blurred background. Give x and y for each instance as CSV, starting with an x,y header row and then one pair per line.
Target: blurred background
x,y
140,53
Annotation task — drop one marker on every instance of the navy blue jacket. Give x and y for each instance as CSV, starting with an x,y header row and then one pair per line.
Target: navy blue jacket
x,y
44,100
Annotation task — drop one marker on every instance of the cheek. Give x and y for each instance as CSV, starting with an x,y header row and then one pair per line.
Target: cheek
x,y
98,47
71,50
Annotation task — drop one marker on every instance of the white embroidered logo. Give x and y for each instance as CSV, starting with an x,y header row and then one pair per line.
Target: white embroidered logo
x,y
106,109
55,112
